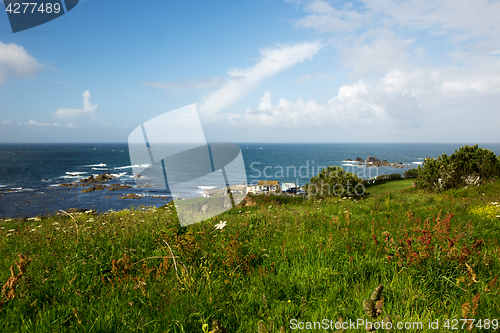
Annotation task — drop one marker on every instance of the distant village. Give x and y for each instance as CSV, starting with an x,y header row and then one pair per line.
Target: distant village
x,y
262,187
275,187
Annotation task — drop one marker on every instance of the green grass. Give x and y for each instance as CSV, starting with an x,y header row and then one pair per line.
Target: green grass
x,y
390,186
277,259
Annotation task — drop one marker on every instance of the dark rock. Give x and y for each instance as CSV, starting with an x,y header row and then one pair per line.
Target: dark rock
x,y
370,159
348,160
97,187
68,185
115,187
359,159
79,210
130,196
100,178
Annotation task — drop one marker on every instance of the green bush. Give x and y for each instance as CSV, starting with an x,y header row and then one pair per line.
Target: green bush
x,y
469,165
335,181
411,173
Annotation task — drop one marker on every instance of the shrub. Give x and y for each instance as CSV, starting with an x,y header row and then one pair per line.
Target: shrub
x,y
335,181
469,165
411,173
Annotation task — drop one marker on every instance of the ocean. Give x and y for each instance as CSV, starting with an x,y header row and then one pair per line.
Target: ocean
x,y
30,173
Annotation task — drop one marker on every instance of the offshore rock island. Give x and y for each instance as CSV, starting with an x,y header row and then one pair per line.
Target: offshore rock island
x,y
375,162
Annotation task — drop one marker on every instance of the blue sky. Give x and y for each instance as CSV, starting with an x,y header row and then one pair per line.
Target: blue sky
x,y
258,71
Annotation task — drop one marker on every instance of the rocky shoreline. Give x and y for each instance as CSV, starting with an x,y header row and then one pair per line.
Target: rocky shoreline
x,y
375,162
99,183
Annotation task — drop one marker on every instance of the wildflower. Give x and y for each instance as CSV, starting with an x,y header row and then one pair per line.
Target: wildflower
x,y
220,225
11,230
9,235
55,223
32,230
39,226
90,220
57,228
288,301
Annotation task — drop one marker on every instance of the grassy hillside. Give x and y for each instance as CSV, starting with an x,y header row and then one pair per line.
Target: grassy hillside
x,y
277,259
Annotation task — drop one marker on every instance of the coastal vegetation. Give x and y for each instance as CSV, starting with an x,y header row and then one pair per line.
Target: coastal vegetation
x,y
468,165
270,262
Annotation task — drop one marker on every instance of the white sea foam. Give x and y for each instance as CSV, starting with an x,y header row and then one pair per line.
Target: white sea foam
x,y
133,166
3,185
418,162
72,176
206,187
76,173
21,189
117,175
97,165
100,169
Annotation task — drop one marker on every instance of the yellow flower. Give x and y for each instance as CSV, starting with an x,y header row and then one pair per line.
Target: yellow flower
x,y
289,301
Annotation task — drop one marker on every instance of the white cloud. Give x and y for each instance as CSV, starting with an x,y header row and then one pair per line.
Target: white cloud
x,y
324,18
192,84
353,106
319,76
377,51
242,81
36,123
88,110
6,122
462,18
16,62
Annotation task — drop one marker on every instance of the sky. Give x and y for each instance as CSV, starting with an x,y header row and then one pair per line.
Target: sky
x,y
257,70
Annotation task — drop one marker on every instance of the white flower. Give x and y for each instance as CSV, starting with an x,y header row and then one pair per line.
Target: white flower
x,y
220,225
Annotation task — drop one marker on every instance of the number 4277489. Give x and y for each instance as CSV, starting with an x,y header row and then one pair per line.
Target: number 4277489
x,y
33,7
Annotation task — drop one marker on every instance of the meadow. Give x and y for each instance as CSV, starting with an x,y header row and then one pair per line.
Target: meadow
x,y
272,262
